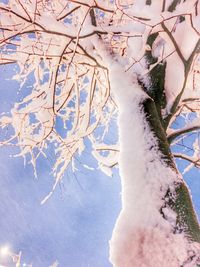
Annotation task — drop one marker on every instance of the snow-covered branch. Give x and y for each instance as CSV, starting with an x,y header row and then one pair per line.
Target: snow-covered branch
x,y
193,160
174,134
90,62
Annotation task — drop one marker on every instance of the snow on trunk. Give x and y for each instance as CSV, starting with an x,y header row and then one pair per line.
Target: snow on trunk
x,y
142,237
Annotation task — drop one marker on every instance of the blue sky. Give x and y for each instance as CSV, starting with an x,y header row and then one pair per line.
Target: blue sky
x,y
75,225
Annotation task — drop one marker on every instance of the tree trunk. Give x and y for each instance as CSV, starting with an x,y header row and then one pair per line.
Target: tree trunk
x,y
157,225
182,204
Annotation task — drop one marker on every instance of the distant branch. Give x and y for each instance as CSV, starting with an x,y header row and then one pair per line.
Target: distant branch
x,y
180,132
68,13
196,162
93,6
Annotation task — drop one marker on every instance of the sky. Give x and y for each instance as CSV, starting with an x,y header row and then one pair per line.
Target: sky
x,y
75,224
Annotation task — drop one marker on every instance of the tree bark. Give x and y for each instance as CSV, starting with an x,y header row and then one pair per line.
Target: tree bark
x,y
182,204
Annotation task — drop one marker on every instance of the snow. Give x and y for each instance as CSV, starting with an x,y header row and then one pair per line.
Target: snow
x,y
186,37
173,79
194,124
152,12
142,237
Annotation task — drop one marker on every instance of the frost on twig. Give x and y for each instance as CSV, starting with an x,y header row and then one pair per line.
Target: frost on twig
x,y
70,95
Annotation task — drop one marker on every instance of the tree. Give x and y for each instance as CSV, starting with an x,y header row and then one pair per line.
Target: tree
x,y
89,61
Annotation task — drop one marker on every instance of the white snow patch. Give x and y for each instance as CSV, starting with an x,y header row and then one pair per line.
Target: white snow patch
x,y
142,237
174,78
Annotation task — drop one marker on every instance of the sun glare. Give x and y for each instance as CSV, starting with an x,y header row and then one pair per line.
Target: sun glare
x,y
4,251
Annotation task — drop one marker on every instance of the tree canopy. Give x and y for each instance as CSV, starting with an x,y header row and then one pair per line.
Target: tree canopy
x,y
75,53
